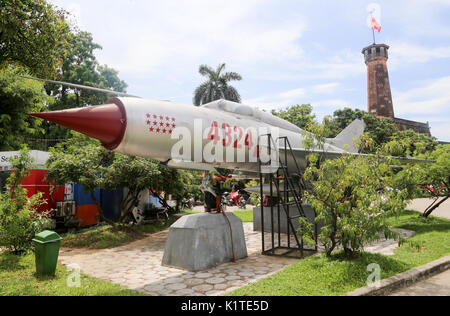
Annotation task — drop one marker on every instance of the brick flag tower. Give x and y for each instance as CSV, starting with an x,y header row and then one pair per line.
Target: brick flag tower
x,y
379,89
378,86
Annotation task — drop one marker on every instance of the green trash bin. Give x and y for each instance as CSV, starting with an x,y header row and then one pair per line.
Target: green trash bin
x,y
46,245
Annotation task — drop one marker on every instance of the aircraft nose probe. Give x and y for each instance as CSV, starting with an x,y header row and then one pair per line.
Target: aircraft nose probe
x,y
106,122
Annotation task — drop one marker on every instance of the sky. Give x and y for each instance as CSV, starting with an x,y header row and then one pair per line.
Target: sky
x,y
288,52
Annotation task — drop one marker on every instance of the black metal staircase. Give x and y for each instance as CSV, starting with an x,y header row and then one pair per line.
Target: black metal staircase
x,y
288,188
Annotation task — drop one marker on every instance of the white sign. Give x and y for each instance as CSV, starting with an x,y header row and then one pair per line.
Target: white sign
x,y
39,157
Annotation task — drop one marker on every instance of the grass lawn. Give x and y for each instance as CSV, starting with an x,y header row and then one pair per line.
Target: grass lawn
x,y
17,275
334,276
108,237
245,215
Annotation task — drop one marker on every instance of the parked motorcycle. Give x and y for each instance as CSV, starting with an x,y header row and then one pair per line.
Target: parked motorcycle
x,y
188,203
235,199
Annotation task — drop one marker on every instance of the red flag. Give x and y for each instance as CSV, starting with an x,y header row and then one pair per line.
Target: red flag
x,y
375,25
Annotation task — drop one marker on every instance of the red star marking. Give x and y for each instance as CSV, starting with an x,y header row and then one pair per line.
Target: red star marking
x,y
173,119
151,129
167,118
148,115
164,131
161,124
167,124
161,117
148,122
158,130
155,123
170,132
173,125
155,117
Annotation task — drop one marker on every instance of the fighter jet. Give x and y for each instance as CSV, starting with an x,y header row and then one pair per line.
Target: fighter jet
x,y
220,134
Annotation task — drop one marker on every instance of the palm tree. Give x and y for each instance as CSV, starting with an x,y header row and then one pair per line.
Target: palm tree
x,y
217,86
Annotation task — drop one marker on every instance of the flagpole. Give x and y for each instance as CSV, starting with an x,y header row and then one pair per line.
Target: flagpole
x,y
373,33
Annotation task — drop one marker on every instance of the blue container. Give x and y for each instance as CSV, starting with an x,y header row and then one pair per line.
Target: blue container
x,y
111,201
155,201
84,198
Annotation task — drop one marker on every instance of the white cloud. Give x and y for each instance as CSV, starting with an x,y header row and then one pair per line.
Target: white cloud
x,y
152,35
441,130
298,96
402,54
325,88
431,98
300,92
427,103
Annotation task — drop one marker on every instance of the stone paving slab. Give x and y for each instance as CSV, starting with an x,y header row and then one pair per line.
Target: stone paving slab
x,y
420,205
138,266
438,285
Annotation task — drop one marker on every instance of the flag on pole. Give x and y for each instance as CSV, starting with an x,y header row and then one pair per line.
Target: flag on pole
x,y
375,25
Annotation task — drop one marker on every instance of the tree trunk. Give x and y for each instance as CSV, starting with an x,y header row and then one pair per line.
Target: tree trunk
x,y
162,201
131,201
100,210
428,212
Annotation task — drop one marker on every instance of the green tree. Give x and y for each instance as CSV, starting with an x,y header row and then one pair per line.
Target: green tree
x,y
33,34
80,66
379,129
19,220
217,86
18,97
83,161
410,143
436,176
300,115
351,197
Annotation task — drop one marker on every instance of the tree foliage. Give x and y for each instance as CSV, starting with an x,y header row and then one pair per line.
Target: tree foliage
x,y
80,66
435,177
379,129
217,86
352,196
299,115
409,143
18,97
33,34
84,161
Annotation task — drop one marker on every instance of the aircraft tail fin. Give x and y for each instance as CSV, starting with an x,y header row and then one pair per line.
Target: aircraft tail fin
x,y
345,139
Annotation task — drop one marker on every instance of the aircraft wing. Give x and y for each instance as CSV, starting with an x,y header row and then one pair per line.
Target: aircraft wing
x,y
301,153
190,166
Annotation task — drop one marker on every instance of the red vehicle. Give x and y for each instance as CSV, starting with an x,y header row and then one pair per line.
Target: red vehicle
x,y
235,198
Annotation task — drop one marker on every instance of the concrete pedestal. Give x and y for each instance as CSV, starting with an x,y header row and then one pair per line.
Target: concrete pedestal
x,y
202,241
309,212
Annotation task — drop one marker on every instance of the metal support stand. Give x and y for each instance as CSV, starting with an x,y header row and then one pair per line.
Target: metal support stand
x,y
288,193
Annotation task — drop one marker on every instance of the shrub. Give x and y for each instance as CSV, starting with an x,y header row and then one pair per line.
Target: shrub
x,y
353,196
19,220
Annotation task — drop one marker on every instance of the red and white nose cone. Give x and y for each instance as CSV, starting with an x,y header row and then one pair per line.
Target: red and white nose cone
x,y
106,123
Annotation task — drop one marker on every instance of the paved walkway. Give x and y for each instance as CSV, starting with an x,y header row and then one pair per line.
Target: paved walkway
x,y
138,266
438,285
420,205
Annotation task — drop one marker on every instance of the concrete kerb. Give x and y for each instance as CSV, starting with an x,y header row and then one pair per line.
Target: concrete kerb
x,y
404,279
